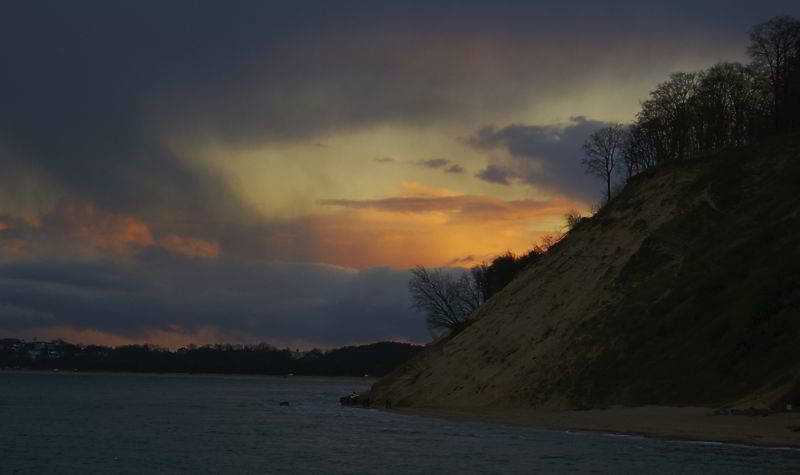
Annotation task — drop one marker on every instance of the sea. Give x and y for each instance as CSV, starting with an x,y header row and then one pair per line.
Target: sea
x,y
65,423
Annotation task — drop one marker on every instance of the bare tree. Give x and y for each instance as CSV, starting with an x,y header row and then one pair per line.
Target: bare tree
x,y
642,148
573,218
469,292
727,107
775,49
602,150
669,114
447,300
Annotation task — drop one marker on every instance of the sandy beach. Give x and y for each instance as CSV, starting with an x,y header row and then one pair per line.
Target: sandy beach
x,y
684,423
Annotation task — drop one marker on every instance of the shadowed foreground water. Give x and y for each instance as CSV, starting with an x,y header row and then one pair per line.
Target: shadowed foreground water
x,y
122,423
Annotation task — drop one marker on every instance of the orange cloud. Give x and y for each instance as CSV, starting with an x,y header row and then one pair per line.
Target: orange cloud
x,y
189,247
176,337
78,227
417,225
172,338
10,229
467,207
104,230
432,230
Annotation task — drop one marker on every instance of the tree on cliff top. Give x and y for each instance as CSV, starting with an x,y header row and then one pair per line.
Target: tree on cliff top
x,y
447,300
775,49
602,150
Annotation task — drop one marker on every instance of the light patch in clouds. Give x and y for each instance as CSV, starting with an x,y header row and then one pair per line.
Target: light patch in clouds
x,y
287,182
432,227
460,206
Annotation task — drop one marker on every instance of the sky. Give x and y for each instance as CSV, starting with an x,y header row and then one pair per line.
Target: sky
x,y
261,171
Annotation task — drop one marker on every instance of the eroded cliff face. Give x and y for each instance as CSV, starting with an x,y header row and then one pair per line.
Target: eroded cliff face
x,y
685,290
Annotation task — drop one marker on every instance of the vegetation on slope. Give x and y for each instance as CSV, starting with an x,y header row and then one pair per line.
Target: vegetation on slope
x,y
682,291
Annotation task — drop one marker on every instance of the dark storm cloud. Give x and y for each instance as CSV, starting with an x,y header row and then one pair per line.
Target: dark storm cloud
x,y
89,89
455,169
462,260
321,304
496,174
543,156
433,163
442,164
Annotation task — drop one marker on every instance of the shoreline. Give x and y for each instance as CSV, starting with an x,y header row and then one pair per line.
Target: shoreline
x,y
695,424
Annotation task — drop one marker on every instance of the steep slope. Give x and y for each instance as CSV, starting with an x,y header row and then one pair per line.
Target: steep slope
x,y
685,290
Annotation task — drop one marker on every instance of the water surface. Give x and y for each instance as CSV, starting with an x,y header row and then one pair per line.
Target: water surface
x,y
123,423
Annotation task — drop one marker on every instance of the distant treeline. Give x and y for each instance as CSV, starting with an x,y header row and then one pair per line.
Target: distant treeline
x,y
375,360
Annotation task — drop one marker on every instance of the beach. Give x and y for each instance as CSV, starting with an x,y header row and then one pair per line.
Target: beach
x,y
681,423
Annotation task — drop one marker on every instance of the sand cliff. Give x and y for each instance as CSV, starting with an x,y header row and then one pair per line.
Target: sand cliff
x,y
684,291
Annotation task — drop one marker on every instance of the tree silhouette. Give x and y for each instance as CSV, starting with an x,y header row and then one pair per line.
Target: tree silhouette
x,y
670,114
447,300
641,148
727,107
602,151
775,49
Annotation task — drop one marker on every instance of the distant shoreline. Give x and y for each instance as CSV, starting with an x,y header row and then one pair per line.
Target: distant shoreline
x,y
696,424
302,377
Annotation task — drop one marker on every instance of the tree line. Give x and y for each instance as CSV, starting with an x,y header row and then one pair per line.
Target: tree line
x,y
376,359
691,114
728,105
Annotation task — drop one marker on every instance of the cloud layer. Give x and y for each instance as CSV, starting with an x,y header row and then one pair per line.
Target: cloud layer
x,y
238,301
